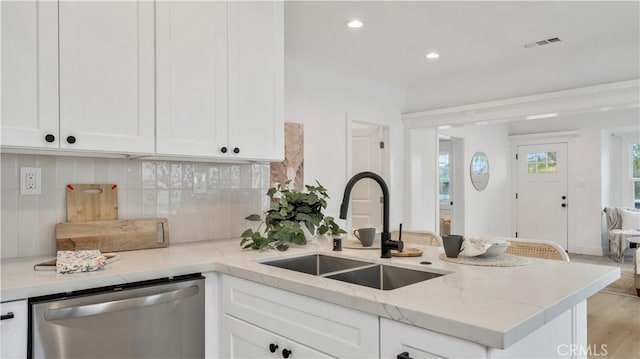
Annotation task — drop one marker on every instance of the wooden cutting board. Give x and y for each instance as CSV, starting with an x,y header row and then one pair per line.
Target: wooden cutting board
x,y
92,202
113,236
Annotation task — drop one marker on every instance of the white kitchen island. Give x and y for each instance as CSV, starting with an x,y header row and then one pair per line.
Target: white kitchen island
x,y
536,310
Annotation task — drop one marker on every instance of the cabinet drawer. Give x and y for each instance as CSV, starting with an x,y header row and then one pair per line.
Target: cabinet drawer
x,y
418,343
326,327
243,340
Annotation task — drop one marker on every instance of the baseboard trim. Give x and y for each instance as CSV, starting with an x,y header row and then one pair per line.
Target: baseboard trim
x,y
592,251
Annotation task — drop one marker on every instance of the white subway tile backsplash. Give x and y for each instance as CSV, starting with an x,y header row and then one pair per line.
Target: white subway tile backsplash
x,y
148,174
134,174
225,176
175,173
145,189
187,175
163,176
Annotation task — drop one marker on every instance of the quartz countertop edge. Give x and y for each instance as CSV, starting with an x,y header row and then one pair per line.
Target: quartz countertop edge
x,y
490,306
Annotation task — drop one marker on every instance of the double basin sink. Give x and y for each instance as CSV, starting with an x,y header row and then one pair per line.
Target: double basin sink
x,y
373,275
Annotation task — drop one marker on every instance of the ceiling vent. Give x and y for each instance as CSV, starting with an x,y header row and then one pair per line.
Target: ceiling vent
x,y
542,42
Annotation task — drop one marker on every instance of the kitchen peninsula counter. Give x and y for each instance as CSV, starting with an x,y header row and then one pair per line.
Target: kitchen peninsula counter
x,y
492,306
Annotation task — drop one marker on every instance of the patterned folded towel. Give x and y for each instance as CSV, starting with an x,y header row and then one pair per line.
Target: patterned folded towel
x,y
79,261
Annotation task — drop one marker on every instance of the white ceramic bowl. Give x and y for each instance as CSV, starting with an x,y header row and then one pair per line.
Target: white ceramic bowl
x,y
495,250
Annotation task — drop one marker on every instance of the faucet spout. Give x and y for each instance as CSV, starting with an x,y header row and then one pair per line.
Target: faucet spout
x,y
386,243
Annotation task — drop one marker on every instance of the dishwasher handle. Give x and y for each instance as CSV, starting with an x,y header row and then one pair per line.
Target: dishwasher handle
x,y
119,305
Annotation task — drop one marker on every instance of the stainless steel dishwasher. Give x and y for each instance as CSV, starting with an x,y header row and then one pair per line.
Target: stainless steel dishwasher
x,y
161,318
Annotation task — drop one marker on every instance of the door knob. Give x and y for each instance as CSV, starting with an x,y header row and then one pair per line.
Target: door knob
x,y
273,347
286,353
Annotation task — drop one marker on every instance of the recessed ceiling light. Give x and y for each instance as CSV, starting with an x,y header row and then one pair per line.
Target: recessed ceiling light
x,y
544,115
433,55
355,24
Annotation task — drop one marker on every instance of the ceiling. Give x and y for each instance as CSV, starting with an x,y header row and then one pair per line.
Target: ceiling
x,y
481,45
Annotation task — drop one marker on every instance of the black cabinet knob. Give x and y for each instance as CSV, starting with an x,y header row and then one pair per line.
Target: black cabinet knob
x,y
236,150
403,355
563,205
564,197
71,139
49,138
9,315
223,150
286,353
273,347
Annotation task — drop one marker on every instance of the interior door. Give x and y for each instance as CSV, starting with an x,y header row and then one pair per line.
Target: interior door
x,y
541,197
367,155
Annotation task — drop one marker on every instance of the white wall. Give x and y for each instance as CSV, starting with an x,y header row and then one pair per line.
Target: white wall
x,y
422,182
322,100
487,212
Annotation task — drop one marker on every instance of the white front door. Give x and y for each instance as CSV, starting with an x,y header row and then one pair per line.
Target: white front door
x,y
367,155
541,195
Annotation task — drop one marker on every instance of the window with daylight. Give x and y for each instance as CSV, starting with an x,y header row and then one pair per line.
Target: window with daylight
x,y
541,162
444,182
635,173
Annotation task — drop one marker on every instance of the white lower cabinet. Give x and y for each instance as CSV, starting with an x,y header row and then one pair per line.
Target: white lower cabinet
x,y
13,329
243,340
315,327
403,341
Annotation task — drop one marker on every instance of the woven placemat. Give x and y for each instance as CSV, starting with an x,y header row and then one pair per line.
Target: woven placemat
x,y
505,260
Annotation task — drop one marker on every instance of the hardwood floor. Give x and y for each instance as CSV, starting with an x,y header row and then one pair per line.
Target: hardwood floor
x,y
614,320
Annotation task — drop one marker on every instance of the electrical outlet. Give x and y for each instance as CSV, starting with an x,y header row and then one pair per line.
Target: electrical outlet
x,y
30,180
200,182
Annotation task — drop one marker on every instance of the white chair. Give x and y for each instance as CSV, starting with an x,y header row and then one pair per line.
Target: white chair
x,y
422,237
536,248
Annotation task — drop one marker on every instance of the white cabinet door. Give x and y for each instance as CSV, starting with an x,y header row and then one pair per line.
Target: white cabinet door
x,y
107,76
13,329
191,42
29,74
243,340
406,341
220,79
256,80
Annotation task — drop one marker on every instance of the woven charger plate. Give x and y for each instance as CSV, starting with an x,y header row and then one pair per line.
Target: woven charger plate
x,y
505,260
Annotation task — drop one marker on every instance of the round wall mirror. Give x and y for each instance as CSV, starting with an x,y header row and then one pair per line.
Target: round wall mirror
x,y
479,171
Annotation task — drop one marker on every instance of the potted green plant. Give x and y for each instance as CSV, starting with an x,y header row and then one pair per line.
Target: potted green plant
x,y
290,210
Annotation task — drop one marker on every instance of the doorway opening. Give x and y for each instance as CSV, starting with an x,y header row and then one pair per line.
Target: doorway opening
x,y
369,152
451,184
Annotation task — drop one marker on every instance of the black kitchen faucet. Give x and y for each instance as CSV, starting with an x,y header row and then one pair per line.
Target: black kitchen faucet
x,y
386,244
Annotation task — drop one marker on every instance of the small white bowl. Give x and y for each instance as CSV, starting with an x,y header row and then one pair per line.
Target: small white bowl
x,y
495,250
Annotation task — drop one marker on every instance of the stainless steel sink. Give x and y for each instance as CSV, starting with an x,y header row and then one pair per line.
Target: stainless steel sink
x,y
378,276
316,264
384,277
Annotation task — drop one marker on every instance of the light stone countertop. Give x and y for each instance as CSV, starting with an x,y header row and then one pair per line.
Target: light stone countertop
x,y
493,306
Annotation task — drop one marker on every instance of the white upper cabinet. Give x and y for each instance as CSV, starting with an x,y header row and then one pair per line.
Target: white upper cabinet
x,y
107,76
78,75
220,79
191,50
256,79
29,74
